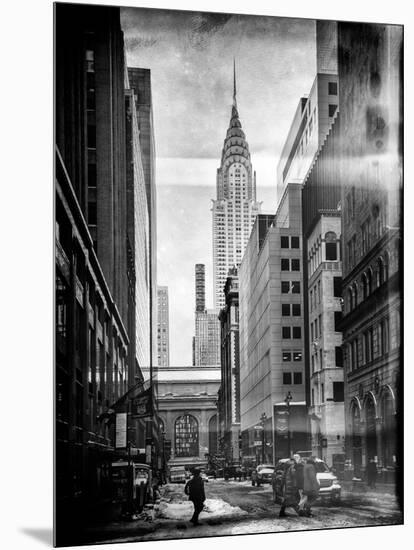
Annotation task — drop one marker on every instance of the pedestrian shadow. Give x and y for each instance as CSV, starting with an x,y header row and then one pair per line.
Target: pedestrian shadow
x,y
43,535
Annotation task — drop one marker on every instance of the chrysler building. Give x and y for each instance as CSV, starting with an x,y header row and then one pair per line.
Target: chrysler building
x,y
235,208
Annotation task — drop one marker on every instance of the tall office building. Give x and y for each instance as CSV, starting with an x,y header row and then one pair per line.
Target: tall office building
x,y
200,287
206,342
140,83
163,327
235,208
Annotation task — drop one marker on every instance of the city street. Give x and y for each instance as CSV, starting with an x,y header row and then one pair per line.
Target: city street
x,y
234,508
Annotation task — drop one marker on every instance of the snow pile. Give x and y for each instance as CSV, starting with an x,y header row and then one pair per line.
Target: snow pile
x,y
212,508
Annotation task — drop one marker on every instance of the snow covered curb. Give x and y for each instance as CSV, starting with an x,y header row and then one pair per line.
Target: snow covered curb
x,y
212,508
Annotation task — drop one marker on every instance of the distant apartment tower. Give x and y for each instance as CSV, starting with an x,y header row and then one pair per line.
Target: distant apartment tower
x,y
235,208
200,287
163,328
206,342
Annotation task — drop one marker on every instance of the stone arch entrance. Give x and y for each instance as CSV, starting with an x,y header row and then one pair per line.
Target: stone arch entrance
x,y
356,440
389,429
371,428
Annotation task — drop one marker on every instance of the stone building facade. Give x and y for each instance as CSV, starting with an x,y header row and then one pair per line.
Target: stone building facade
x,y
370,64
272,334
229,409
187,401
325,339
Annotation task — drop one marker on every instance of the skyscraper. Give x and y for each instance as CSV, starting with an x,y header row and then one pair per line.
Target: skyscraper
x,y
200,287
163,328
206,342
235,208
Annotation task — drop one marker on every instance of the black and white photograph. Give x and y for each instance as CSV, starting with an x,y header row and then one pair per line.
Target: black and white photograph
x,y
228,232
226,278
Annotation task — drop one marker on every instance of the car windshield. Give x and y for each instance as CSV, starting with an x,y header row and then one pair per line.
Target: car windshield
x,y
321,468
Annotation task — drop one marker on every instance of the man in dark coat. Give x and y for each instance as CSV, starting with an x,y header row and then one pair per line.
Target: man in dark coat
x,y
310,488
195,491
290,490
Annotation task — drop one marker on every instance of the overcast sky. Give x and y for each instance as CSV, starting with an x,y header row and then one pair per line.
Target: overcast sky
x,y
191,60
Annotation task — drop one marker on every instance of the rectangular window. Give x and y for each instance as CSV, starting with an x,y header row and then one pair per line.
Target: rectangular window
x,y
287,378
296,287
338,317
297,332
286,332
338,356
286,356
332,109
313,396
91,175
285,310
322,393
313,364
284,242
320,325
295,242
332,88
284,264
337,287
312,335
297,378
297,356
92,213
285,287
330,252
338,392
296,309
295,265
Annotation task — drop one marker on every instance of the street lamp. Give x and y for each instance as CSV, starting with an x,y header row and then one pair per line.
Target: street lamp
x,y
263,420
288,399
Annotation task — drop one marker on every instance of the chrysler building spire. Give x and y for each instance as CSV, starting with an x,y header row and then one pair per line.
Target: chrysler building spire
x,y
235,208
234,83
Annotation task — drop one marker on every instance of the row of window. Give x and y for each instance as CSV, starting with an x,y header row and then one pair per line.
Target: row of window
x,y
337,394
371,344
288,378
289,242
291,309
287,264
370,279
291,332
288,356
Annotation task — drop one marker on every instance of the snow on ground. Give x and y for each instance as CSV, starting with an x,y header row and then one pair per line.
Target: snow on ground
x,y
212,508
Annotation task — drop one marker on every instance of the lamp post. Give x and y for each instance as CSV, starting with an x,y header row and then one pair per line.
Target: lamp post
x,y
288,399
263,421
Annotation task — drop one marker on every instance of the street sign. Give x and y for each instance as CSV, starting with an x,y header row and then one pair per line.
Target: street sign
x,y
120,430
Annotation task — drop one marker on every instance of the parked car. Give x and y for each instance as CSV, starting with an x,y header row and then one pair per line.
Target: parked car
x,y
262,474
177,474
330,488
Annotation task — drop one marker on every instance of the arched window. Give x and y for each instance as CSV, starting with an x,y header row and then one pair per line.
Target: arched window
x,y
386,266
364,286
186,436
355,287
350,300
380,271
331,251
369,281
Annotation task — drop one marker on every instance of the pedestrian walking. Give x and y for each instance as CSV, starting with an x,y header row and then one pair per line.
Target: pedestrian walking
x,y
310,488
299,477
290,490
372,473
195,491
